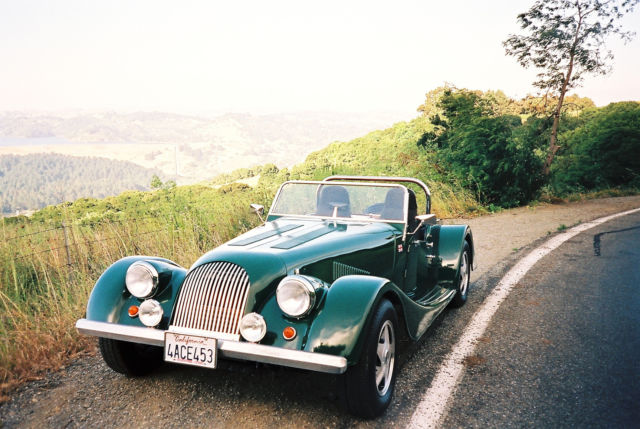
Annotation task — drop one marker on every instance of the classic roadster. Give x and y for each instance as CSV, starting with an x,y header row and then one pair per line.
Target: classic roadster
x,y
339,271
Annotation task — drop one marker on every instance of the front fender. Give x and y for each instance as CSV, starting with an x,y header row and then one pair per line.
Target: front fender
x,y
110,300
338,327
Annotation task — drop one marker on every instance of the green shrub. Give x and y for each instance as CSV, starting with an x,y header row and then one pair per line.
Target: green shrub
x,y
493,155
603,152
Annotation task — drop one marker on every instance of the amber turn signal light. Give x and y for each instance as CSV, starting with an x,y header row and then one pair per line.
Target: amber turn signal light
x,y
133,311
289,333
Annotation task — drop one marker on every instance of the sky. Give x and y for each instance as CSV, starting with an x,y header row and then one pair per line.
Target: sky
x,y
211,57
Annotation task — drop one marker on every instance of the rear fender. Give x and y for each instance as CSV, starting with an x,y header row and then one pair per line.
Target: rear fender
x,y
448,242
110,300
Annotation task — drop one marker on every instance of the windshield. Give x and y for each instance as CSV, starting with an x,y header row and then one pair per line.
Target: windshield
x,y
340,200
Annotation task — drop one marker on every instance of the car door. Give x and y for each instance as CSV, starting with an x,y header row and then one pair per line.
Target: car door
x,y
421,272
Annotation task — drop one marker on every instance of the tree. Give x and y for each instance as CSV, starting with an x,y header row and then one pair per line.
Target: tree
x,y
602,152
491,154
156,183
565,39
430,108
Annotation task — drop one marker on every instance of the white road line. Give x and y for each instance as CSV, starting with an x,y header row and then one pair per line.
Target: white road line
x,y
435,402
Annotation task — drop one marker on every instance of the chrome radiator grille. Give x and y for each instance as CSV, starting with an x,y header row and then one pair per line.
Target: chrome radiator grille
x,y
212,299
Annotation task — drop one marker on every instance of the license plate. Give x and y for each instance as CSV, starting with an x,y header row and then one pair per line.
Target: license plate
x,y
190,350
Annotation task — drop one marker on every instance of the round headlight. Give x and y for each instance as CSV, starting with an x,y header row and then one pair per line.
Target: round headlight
x,y
141,279
296,296
150,313
253,327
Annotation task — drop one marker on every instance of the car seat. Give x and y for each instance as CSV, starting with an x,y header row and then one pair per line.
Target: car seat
x,y
334,196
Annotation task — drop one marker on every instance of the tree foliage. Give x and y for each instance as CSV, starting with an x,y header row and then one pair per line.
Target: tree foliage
x,y
489,152
36,180
603,152
565,40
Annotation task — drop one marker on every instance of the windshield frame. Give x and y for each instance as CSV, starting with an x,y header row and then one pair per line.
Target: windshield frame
x,y
274,215
387,179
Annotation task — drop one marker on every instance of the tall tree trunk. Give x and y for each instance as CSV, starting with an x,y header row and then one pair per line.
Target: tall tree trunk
x,y
553,142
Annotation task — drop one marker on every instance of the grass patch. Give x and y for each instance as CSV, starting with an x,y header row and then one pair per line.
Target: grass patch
x,y
44,289
548,196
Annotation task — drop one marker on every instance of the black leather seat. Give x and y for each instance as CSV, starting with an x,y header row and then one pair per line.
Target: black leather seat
x,y
334,196
413,211
393,205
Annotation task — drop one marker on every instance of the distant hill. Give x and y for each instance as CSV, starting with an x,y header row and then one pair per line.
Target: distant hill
x,y
203,147
35,181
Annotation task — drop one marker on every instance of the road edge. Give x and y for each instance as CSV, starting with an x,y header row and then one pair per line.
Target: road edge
x,y
435,402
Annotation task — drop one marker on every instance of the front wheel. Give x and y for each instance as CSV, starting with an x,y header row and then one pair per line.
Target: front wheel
x,y
130,358
369,384
464,278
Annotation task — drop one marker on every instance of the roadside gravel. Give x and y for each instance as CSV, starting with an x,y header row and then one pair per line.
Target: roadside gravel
x,y
88,394
498,235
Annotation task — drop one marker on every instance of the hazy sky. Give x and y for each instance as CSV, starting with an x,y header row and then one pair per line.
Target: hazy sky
x,y
268,56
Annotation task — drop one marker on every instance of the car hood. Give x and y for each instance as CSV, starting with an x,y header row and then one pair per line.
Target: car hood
x,y
285,245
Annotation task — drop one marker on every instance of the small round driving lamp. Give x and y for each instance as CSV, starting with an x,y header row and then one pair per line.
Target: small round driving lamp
x,y
150,313
253,327
296,296
141,279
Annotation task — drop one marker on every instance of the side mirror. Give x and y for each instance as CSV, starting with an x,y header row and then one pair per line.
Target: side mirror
x,y
258,209
425,218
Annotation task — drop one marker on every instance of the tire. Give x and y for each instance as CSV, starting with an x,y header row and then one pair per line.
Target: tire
x,y
365,395
130,359
464,278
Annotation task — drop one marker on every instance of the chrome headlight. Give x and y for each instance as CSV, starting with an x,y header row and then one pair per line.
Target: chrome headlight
x,y
141,279
150,313
253,327
296,296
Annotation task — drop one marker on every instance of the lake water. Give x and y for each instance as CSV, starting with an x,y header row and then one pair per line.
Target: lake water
x,y
36,141
30,141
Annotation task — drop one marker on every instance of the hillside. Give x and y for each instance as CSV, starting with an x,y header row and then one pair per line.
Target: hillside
x,y
38,180
202,147
49,261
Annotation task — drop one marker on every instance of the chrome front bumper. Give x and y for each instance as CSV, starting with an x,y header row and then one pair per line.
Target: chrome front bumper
x,y
229,349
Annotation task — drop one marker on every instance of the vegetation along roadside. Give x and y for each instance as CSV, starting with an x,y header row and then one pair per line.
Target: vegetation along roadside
x,y
478,151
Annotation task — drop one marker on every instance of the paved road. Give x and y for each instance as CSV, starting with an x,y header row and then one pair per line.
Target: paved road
x,y
563,350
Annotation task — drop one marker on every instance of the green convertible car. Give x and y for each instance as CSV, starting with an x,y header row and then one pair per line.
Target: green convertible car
x,y
339,271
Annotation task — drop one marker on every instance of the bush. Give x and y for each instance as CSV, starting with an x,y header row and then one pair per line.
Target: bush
x,y
603,152
492,155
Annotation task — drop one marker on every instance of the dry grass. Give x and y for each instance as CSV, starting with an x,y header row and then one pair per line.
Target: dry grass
x,y
471,361
449,202
42,296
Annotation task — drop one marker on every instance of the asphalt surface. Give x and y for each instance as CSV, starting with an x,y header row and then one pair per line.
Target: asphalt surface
x,y
563,350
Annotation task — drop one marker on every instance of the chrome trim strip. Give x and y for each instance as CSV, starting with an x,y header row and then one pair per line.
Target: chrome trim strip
x,y
381,179
135,334
229,349
330,220
203,333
